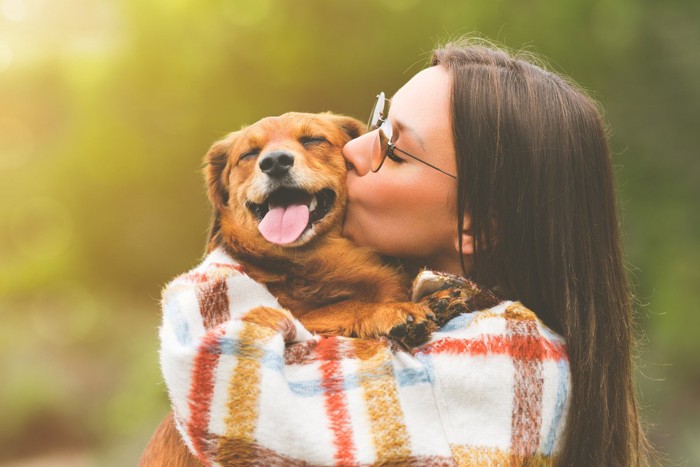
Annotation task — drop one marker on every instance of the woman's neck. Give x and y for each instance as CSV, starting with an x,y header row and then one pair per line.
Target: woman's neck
x,y
452,267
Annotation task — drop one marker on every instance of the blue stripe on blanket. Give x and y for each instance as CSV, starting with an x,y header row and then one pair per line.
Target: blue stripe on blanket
x,y
460,322
274,361
231,346
314,387
228,346
411,376
562,394
427,362
306,388
175,316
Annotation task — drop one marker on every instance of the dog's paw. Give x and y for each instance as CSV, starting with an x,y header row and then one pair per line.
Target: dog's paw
x,y
451,302
407,323
443,305
378,319
412,334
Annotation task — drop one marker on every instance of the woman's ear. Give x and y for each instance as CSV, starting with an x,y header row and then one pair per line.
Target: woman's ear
x,y
216,170
467,248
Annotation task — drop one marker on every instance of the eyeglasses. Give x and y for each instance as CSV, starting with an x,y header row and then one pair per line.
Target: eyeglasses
x,y
384,147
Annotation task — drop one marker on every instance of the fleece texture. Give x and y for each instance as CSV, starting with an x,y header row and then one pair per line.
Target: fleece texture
x,y
249,385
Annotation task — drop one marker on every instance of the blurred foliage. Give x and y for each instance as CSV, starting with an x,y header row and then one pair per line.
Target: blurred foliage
x,y
107,107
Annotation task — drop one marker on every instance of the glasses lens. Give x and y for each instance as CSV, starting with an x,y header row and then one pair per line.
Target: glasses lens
x,y
377,114
378,122
377,156
381,145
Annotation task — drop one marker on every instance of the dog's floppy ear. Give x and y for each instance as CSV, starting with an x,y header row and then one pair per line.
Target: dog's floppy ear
x,y
216,171
351,126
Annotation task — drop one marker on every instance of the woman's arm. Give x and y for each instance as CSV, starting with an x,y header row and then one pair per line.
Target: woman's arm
x,y
211,313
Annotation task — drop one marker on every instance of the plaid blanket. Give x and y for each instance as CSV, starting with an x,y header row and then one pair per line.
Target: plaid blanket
x,y
250,386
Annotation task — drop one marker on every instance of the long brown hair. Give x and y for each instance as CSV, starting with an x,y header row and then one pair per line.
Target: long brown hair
x,y
535,178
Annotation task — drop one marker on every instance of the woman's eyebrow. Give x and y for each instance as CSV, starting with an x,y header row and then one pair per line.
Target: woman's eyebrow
x,y
403,127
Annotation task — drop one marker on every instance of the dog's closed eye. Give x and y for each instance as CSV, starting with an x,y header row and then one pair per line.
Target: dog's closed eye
x,y
249,154
309,141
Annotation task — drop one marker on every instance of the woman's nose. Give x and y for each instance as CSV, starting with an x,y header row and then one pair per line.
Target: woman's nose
x,y
359,151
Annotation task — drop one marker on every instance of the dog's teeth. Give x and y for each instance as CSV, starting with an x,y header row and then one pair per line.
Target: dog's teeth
x,y
312,204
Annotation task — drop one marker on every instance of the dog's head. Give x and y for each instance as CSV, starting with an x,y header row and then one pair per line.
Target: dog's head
x,y
279,183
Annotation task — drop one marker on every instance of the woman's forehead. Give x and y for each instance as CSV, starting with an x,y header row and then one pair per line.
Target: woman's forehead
x,y
421,113
423,103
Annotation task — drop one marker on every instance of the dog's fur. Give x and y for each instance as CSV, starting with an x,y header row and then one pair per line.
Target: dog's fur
x,y
332,286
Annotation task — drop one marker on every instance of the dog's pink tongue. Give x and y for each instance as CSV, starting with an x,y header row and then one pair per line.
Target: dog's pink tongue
x,y
283,225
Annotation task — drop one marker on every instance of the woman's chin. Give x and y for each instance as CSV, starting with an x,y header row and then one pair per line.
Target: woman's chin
x,y
350,231
346,232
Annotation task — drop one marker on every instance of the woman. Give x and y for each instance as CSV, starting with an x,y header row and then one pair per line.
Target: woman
x,y
534,198
486,166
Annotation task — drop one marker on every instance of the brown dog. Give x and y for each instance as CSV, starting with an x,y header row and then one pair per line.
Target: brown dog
x,y
278,192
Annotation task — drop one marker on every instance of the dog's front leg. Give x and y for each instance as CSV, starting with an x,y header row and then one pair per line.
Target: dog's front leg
x,y
167,449
353,318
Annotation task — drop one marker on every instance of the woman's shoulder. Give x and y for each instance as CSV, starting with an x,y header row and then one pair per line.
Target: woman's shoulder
x,y
508,328
480,323
502,380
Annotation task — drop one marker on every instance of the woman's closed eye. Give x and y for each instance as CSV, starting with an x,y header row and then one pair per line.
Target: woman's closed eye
x,y
391,154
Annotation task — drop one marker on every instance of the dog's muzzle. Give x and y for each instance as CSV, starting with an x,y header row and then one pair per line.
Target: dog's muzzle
x,y
288,212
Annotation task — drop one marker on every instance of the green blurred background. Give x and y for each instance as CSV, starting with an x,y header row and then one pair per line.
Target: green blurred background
x,y
107,107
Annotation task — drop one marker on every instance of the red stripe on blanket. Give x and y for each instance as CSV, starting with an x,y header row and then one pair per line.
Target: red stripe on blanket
x,y
235,267
201,392
213,302
196,277
528,381
199,277
333,384
516,346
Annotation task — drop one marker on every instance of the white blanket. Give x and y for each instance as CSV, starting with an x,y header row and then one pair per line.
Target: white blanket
x,y
250,386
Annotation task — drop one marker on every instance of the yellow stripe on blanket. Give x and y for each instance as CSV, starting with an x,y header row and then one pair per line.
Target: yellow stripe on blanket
x,y
487,457
244,386
381,396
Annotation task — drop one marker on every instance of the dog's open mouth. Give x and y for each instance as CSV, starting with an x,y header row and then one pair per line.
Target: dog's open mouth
x,y
288,212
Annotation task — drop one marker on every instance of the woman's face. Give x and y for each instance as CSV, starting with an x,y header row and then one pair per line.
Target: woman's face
x,y
407,209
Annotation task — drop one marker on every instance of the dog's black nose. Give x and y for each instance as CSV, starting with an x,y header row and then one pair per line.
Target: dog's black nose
x,y
276,163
